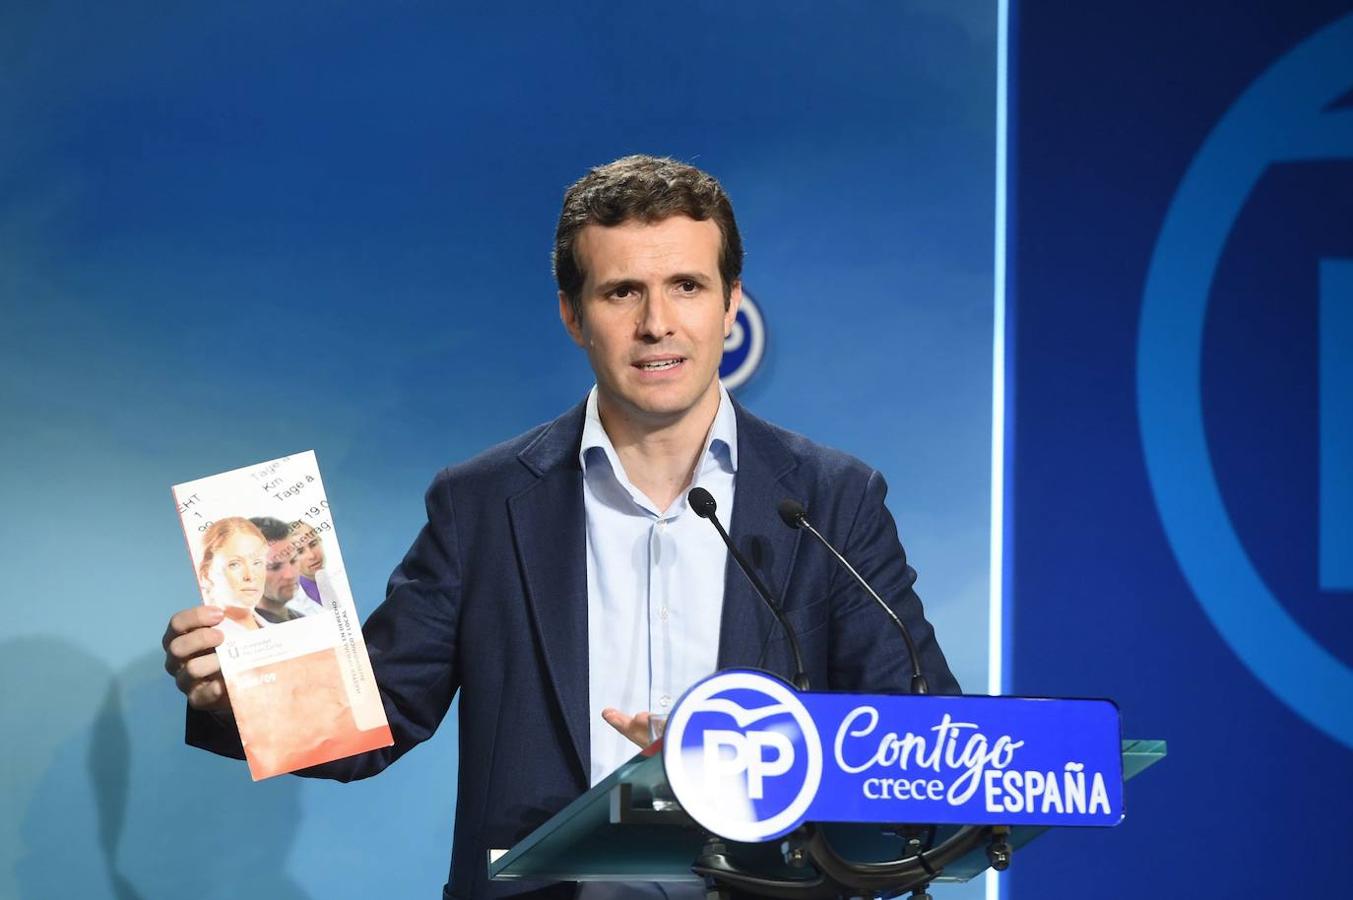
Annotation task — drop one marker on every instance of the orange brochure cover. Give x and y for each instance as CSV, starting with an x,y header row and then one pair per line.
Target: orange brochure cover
x,y
264,550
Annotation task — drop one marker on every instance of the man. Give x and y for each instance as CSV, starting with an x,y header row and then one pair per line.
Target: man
x,y
281,595
562,582
309,560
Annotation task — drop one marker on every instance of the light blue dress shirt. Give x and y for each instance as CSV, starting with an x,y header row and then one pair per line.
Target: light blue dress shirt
x,y
655,583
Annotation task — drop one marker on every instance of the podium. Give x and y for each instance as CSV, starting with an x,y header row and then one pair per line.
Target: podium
x,y
630,828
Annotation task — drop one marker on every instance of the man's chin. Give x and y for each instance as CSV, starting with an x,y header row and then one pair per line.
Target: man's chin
x,y
666,406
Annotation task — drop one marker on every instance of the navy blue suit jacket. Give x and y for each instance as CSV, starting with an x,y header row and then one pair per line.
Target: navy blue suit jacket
x,y
491,601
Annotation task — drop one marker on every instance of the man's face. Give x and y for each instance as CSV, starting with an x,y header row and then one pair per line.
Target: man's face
x,y
309,550
653,318
282,574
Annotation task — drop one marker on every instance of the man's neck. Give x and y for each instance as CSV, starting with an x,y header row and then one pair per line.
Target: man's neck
x,y
274,606
660,457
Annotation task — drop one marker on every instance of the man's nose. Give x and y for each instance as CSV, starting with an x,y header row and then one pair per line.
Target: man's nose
x,y
655,319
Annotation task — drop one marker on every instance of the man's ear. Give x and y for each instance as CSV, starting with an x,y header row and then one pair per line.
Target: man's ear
x,y
734,301
571,321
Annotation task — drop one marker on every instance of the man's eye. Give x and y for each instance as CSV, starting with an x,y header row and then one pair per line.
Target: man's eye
x,y
622,293
688,287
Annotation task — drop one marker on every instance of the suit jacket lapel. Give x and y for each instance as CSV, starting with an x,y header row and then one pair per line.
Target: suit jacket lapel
x,y
764,478
549,527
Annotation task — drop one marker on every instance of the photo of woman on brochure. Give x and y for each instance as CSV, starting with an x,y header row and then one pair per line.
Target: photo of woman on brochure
x,y
233,572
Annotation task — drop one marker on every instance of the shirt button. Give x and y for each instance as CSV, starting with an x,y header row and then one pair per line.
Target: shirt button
x,y
664,701
662,614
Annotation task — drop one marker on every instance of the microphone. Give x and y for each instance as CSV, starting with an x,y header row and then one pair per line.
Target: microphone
x,y
702,501
795,516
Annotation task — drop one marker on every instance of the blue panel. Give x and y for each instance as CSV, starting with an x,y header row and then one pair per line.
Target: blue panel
x,y
1336,425
1176,189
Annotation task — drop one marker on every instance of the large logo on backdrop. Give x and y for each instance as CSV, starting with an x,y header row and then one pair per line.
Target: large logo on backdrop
x,y
745,346
1289,114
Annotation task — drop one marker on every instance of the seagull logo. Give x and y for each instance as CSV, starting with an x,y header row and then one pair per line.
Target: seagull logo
x,y
743,756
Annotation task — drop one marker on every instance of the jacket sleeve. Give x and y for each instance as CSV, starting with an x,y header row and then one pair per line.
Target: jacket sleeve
x,y
411,639
867,653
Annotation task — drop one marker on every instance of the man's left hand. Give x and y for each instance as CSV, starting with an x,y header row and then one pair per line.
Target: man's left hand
x,y
636,727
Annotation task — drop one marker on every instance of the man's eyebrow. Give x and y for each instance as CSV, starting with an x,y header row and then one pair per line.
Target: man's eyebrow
x,y
697,277
607,286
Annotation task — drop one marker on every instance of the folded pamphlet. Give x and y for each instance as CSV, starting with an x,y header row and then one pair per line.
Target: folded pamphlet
x,y
265,552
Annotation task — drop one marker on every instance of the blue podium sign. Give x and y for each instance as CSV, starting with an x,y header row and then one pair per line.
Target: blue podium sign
x,y
750,758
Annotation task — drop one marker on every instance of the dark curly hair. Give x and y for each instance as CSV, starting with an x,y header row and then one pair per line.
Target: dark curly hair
x,y
650,189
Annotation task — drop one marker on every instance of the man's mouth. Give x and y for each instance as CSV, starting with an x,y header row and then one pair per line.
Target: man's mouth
x,y
657,365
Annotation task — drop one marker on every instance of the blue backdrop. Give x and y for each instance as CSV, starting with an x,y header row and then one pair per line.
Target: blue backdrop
x,y
231,232
1181,519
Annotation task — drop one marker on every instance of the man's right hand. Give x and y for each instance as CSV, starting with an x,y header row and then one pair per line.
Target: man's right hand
x,y
189,642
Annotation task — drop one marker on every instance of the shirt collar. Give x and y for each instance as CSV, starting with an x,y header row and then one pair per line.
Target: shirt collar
x,y
721,444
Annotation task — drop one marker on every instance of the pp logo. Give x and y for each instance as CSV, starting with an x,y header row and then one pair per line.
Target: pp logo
x,y
744,346
1291,113
743,756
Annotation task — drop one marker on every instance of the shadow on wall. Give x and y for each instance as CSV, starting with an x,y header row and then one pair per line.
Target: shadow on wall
x,y
103,799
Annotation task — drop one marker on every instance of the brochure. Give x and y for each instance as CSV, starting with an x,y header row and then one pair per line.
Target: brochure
x,y
264,550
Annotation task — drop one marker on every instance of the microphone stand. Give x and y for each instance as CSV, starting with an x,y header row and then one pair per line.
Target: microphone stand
x,y
795,516
702,501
